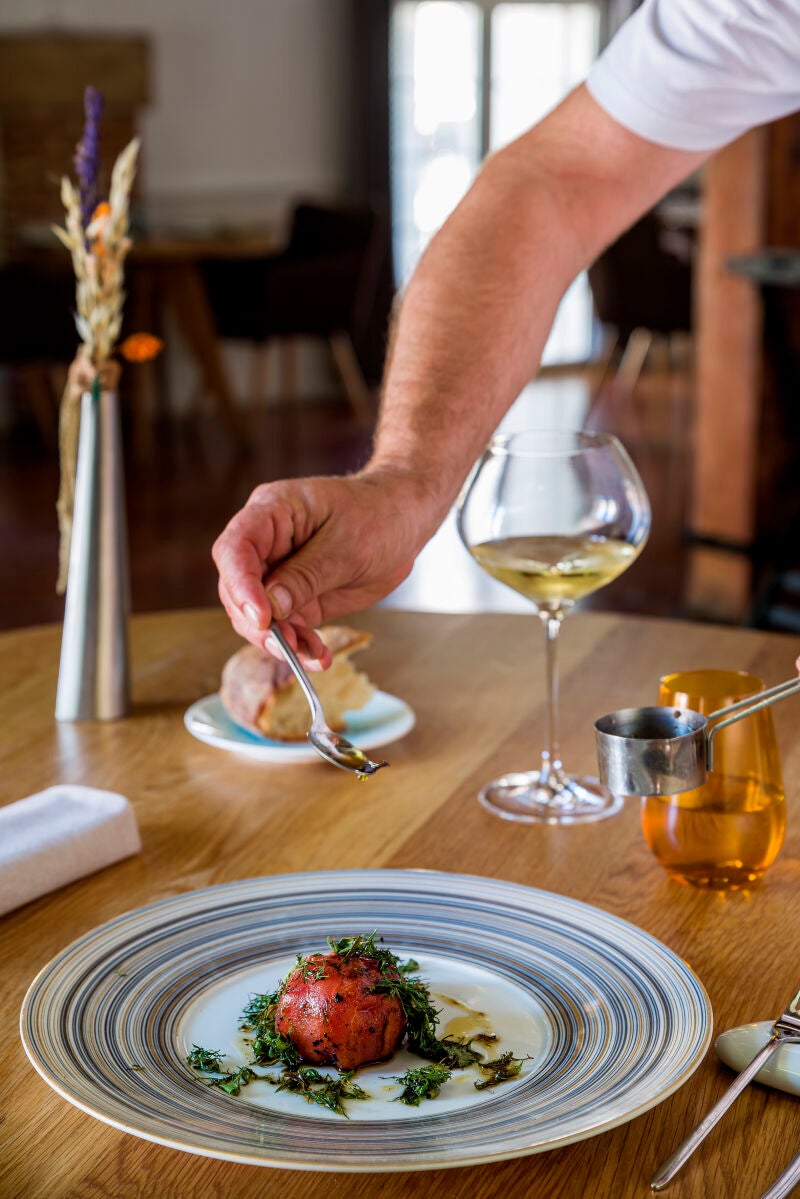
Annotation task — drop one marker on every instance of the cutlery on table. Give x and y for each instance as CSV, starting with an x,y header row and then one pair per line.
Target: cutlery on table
x,y
785,1029
329,745
787,1181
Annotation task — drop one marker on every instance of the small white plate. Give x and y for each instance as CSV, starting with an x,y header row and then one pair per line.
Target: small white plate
x,y
738,1046
383,719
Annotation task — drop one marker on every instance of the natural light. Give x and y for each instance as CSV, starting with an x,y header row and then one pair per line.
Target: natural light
x,y
444,119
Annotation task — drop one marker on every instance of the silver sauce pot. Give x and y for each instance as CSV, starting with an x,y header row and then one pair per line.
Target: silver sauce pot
x,y
663,751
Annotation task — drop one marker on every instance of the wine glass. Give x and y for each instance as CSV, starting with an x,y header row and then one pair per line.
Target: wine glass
x,y
554,515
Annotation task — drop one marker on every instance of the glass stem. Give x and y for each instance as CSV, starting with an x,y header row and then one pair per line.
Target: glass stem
x,y
551,758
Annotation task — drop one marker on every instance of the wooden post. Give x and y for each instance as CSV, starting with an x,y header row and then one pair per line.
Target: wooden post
x,y
728,339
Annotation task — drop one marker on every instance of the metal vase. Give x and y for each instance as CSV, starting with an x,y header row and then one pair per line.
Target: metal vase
x,y
94,677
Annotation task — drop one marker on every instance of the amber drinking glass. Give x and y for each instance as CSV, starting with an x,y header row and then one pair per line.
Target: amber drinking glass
x,y
724,835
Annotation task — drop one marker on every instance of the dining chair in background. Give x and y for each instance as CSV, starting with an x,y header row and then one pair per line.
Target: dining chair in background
x,y
642,290
322,285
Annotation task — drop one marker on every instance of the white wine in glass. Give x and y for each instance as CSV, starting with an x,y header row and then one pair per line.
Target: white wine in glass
x,y
554,515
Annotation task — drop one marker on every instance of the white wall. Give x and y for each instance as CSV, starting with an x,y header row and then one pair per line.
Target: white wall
x,y
250,107
248,94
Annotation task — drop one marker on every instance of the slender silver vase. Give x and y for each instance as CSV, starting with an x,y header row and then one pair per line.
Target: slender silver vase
x,y
94,677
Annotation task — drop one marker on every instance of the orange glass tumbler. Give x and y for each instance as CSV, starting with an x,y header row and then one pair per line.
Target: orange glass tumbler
x,y
724,835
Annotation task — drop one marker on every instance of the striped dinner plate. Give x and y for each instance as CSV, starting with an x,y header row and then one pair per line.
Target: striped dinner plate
x,y
609,1020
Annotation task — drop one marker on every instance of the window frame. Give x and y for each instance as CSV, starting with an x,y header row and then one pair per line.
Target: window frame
x,y
485,10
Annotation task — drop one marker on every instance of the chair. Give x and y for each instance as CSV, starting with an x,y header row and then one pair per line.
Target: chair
x,y
321,285
642,287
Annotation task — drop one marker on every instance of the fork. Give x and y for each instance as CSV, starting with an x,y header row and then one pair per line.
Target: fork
x,y
787,1182
786,1029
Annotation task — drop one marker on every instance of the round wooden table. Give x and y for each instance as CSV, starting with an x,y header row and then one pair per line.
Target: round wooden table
x,y
207,817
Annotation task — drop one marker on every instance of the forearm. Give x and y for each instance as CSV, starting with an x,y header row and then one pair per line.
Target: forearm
x,y
475,317
472,325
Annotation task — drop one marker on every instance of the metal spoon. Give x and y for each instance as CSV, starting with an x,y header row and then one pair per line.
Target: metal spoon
x,y
329,745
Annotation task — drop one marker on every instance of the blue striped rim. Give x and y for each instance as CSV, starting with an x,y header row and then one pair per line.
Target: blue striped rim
x,y
629,1020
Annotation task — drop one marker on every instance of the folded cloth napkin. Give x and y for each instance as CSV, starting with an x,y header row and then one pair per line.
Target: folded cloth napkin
x,y
58,835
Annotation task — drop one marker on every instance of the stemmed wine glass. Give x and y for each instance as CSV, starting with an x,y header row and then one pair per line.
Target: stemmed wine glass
x,y
554,515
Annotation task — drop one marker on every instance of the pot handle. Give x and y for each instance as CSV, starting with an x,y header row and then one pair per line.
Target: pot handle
x,y
746,707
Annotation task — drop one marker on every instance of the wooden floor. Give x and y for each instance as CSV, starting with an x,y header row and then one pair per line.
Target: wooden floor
x,y
195,479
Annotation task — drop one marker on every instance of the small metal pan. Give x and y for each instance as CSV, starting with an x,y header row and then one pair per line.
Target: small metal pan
x,y
662,751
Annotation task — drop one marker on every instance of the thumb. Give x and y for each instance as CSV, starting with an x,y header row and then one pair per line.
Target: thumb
x,y
301,579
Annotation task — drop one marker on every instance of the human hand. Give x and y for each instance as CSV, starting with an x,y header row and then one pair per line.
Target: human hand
x,y
305,551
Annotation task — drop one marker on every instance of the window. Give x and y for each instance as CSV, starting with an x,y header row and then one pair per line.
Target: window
x,y
467,76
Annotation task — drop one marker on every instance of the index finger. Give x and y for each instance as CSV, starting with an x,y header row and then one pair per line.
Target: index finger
x,y
241,564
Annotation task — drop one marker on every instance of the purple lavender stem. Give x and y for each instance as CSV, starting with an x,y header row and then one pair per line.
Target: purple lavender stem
x,y
87,152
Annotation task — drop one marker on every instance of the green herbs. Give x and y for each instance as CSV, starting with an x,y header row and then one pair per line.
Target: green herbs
x,y
456,1052
422,1019
204,1059
424,1082
503,1068
332,1090
306,970
358,946
320,1088
267,1044
233,1081
257,1004
209,1061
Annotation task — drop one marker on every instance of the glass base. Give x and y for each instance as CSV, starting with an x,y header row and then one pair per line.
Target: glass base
x,y
558,800
731,877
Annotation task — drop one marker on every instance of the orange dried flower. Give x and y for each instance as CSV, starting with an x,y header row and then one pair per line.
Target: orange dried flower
x,y
141,347
102,209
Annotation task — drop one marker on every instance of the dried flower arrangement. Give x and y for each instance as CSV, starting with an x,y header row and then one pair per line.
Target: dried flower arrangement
x,y
98,238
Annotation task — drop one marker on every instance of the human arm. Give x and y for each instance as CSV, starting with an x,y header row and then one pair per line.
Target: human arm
x,y
469,335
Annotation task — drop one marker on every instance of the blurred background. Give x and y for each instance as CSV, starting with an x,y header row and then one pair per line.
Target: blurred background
x,y
297,156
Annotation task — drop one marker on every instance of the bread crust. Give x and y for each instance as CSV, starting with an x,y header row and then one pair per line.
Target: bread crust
x,y
253,680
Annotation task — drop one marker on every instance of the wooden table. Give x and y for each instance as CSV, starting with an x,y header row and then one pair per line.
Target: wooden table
x,y
207,817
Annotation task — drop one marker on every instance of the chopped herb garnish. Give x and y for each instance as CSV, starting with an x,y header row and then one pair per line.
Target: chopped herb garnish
x,y
319,1088
304,966
233,1082
268,1045
457,1052
202,1059
422,1019
257,1005
501,1069
423,1082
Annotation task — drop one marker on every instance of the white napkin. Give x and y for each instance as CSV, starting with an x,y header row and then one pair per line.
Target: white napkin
x,y
58,835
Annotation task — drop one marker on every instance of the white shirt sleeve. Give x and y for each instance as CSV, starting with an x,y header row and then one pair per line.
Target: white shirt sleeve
x,y
694,74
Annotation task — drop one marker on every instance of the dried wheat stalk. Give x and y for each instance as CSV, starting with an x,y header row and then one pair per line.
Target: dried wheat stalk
x,y
100,295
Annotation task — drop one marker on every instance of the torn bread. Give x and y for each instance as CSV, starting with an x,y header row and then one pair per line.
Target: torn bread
x,y
260,692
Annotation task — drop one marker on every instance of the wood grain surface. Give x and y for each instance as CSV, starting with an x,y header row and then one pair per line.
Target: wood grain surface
x,y
207,817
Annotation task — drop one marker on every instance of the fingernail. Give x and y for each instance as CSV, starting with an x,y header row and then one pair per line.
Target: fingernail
x,y
271,645
281,601
251,612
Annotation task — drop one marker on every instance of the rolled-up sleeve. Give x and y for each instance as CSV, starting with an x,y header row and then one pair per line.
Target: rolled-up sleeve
x,y
694,74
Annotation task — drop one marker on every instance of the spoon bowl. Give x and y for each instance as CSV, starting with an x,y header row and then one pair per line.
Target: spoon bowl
x,y
331,746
